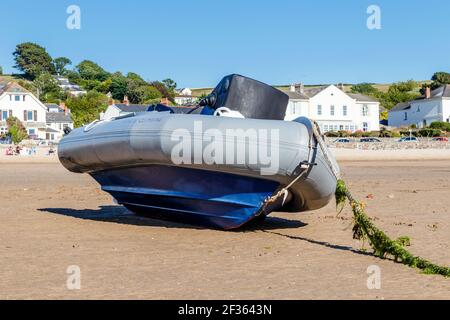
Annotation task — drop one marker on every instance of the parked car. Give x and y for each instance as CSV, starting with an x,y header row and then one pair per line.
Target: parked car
x,y
369,140
408,139
341,140
442,139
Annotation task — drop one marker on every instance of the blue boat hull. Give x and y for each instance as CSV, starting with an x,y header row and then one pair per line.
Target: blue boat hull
x,y
210,198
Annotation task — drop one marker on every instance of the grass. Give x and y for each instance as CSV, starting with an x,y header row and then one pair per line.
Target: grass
x,y
380,86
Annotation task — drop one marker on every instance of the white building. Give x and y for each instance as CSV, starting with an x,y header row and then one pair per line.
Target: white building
x,y
121,109
334,109
184,92
70,88
184,97
16,101
58,118
433,106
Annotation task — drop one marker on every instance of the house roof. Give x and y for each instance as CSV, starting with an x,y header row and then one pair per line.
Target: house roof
x,y
58,117
441,92
297,95
311,92
51,130
401,106
361,97
53,105
13,87
132,107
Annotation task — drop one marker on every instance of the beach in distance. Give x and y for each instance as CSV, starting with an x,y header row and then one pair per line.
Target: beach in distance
x,y
52,219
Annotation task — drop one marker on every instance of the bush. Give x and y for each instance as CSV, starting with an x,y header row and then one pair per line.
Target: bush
x,y
428,132
332,134
389,134
357,134
445,126
16,130
343,133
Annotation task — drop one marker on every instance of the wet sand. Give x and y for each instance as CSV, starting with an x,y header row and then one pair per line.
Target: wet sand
x,y
51,219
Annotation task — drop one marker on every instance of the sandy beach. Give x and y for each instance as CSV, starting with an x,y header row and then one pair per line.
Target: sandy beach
x,y
52,219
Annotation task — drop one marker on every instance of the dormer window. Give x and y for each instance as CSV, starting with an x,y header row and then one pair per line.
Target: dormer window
x,y
16,98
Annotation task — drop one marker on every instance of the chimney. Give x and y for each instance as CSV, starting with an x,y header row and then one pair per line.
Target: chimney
x,y
125,100
110,99
297,87
427,93
165,101
62,105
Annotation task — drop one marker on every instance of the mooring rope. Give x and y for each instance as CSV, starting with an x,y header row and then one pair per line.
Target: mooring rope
x,y
363,227
382,245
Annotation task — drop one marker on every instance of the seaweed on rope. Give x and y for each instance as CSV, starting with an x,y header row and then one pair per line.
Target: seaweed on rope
x,y
382,245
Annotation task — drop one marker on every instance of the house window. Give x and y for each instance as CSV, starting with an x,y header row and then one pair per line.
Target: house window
x,y
365,110
341,127
31,131
406,116
325,128
319,110
347,128
344,110
4,115
30,115
365,126
332,110
17,98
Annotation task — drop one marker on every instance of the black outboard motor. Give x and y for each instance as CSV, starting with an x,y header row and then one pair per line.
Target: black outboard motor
x,y
252,98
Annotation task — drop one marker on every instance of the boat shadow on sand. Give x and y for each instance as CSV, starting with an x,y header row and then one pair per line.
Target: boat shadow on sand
x,y
119,214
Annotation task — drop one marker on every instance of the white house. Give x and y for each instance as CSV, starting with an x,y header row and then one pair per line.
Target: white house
x,y
121,109
41,121
184,97
72,89
184,92
433,106
334,109
58,118
15,101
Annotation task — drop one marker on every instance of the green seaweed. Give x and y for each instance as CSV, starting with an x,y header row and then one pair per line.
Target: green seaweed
x,y
381,244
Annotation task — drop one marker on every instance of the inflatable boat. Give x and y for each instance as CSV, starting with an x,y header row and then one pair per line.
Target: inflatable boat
x,y
220,166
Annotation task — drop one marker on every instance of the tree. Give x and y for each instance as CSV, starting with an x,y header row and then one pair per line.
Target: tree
x,y
399,92
89,70
87,108
164,91
60,65
439,79
47,87
170,84
137,79
119,86
16,130
1,70
143,94
32,60
364,88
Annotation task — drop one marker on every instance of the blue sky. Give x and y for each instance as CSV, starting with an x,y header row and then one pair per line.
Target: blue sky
x,y
196,42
